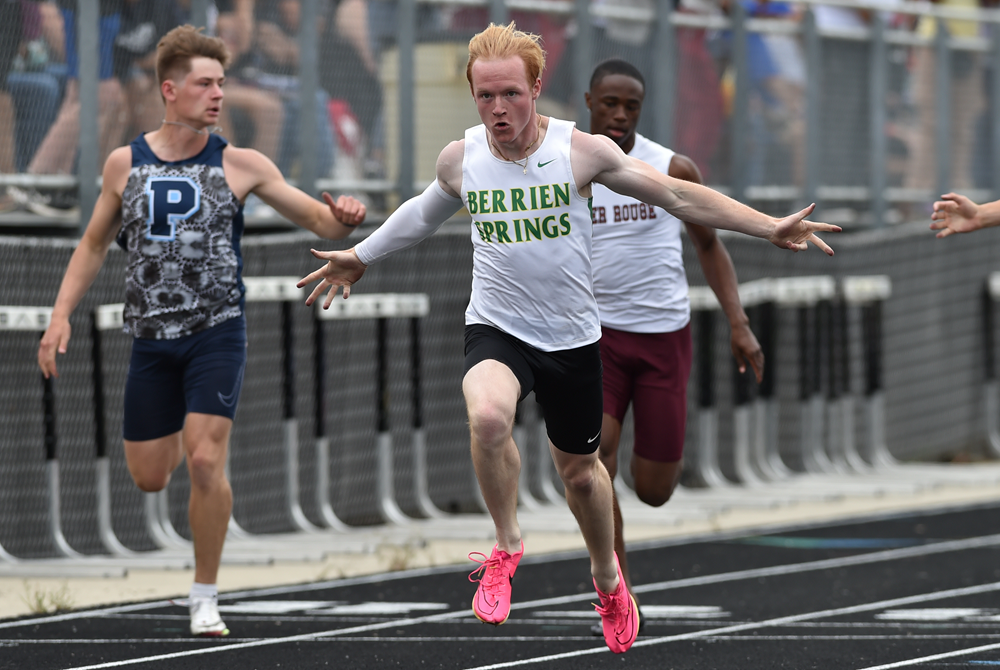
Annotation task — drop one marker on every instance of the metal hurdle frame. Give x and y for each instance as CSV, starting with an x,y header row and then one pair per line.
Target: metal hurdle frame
x,y
157,505
104,317
805,294
283,290
382,307
706,465
36,319
991,392
544,471
869,293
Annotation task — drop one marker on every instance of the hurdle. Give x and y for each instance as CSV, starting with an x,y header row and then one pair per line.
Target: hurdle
x,y
284,291
869,293
326,512
382,307
543,473
36,319
805,294
843,446
759,297
991,291
104,317
706,463
520,435
156,505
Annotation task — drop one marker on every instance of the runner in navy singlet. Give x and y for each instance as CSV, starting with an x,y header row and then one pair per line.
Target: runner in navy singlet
x,y
174,198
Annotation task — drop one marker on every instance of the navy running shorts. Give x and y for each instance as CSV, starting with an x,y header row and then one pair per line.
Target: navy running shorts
x,y
567,384
167,379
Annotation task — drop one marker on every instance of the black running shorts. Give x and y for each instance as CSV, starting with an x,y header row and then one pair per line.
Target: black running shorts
x,y
567,384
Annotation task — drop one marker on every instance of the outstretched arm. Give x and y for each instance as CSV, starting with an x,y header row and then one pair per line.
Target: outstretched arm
x,y
955,213
87,259
413,221
720,273
597,158
250,171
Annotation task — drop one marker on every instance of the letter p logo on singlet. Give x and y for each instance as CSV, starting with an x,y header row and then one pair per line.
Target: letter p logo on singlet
x,y
171,199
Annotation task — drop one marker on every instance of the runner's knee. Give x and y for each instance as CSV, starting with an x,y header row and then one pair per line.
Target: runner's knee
x,y
490,424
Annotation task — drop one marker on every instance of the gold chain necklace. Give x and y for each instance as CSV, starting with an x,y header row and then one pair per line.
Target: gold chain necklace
x,y
538,132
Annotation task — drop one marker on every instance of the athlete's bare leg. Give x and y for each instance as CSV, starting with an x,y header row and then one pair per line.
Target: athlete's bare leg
x,y
491,392
654,482
590,498
151,462
205,443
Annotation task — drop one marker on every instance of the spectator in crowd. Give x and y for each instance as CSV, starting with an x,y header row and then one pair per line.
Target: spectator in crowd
x,y
844,108
966,86
143,23
777,78
278,64
10,42
35,83
57,152
699,109
251,114
350,50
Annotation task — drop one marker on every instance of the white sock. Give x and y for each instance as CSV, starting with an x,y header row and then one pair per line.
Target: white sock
x,y
204,591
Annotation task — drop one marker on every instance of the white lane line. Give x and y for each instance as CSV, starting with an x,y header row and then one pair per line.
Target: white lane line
x,y
862,559
769,623
874,557
846,561
514,638
396,623
935,657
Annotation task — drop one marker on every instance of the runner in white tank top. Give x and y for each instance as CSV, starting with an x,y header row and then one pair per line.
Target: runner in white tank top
x,y
642,291
504,73
531,240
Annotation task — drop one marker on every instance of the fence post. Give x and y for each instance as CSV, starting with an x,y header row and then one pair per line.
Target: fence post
x,y
308,40
942,109
406,26
995,112
991,291
88,20
878,89
199,13
740,119
814,86
498,12
583,62
665,75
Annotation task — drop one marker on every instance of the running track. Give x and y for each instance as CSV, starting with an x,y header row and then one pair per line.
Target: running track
x,y
892,592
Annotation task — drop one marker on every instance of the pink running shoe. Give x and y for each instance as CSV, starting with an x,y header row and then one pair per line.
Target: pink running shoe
x,y
619,615
491,603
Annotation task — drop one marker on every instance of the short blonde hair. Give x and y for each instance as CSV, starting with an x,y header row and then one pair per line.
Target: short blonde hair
x,y
502,42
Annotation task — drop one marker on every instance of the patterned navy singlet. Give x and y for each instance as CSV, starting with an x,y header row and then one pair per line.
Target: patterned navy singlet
x,y
181,226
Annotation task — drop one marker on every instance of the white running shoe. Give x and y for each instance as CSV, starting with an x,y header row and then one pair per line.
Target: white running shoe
x,y
205,619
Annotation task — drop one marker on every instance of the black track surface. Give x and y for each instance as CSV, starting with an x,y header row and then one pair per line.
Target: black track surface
x,y
889,592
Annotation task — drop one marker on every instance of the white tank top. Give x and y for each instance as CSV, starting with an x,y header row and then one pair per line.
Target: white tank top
x,y
639,278
531,238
